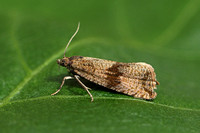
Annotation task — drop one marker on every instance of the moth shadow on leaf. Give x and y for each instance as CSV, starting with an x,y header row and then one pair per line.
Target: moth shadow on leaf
x,y
72,87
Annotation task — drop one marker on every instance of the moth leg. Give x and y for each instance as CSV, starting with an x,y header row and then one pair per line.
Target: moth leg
x,y
82,82
65,78
85,87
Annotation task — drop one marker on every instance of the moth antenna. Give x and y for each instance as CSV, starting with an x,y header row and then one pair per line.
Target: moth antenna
x,y
72,38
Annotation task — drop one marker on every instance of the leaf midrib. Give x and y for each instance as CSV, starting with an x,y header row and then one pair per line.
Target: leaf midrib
x,y
107,98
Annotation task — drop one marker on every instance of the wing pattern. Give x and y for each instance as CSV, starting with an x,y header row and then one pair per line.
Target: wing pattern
x,y
134,79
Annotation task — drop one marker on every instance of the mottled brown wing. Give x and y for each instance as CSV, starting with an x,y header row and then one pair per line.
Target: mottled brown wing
x,y
135,79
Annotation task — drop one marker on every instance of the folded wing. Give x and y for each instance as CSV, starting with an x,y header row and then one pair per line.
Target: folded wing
x,y
135,79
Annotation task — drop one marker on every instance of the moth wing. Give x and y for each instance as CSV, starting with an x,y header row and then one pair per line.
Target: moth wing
x,y
138,71
135,87
135,79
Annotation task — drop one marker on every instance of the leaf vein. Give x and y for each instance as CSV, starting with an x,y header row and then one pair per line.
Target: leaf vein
x,y
15,42
109,98
20,86
178,24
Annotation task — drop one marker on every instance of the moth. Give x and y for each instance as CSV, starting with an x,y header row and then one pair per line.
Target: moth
x,y
134,79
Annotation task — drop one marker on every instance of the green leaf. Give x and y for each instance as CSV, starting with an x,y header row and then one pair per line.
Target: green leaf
x,y
33,35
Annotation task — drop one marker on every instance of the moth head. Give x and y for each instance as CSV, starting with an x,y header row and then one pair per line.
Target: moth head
x,y
63,62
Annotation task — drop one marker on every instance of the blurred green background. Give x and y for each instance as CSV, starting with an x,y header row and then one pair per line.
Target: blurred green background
x,y
33,34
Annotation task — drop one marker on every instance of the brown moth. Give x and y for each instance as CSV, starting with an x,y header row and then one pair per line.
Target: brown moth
x,y
134,79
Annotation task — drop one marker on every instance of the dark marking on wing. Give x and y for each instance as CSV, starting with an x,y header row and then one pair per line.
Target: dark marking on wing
x,y
113,74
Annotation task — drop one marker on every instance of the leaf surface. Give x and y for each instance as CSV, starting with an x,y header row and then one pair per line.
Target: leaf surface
x,y
161,33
